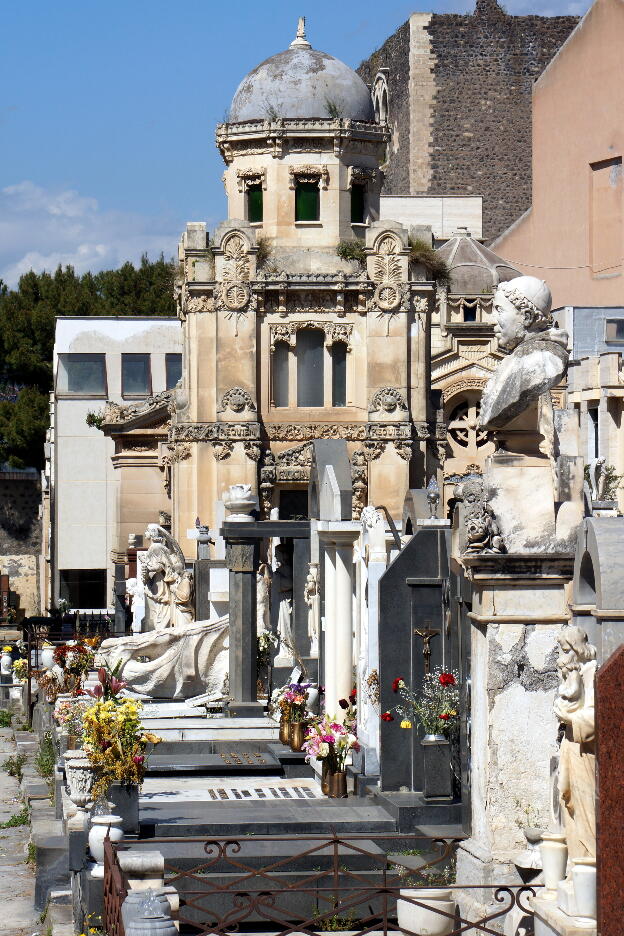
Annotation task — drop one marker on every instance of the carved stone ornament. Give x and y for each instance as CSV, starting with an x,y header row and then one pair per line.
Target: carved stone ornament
x,y
268,477
359,478
362,175
334,331
234,294
215,431
295,464
387,399
253,450
199,304
309,174
237,400
246,177
404,450
353,432
175,453
115,413
222,450
481,529
387,296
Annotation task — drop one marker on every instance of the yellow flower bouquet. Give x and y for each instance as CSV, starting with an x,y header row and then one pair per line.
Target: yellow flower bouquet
x,y
115,743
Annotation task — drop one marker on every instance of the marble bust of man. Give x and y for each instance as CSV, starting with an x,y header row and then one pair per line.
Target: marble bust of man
x,y
537,358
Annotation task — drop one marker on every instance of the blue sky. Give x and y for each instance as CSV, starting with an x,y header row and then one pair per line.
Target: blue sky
x,y
108,110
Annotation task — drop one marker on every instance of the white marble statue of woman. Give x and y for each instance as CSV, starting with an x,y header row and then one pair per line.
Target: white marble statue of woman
x,y
283,591
311,596
136,592
574,707
168,586
263,590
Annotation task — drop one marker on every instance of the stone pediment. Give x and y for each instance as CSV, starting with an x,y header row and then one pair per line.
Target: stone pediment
x,y
152,412
476,359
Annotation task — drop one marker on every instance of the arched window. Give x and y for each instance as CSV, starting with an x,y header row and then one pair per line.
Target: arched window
x,y
280,361
339,374
310,376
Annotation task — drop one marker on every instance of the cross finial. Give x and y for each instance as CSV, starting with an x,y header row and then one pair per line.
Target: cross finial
x,y
300,40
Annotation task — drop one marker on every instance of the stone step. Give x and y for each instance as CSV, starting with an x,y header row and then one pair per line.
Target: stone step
x,y
270,817
412,811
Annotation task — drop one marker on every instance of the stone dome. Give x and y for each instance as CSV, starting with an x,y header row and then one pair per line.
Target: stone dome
x,y
301,82
473,268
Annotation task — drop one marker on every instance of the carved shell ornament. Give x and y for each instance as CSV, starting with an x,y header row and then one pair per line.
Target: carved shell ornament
x,y
237,400
387,399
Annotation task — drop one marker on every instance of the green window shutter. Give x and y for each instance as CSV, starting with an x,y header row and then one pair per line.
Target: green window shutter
x,y
254,203
307,201
357,204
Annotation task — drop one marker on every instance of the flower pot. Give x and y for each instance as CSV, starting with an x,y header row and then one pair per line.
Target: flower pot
x,y
325,777
337,785
297,734
80,777
6,664
284,731
46,658
100,826
435,917
126,802
438,779
554,852
584,883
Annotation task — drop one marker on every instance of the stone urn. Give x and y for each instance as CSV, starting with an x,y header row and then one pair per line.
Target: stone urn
x,y
239,502
554,852
80,778
434,915
6,663
584,883
100,827
152,918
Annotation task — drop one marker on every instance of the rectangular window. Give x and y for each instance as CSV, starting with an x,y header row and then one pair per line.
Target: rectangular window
x,y
254,203
135,375
358,204
279,361
606,216
593,435
310,358
614,330
83,588
82,374
173,369
307,201
339,374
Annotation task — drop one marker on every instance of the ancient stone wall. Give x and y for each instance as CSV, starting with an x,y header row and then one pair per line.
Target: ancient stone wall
x,y
479,140
20,540
394,55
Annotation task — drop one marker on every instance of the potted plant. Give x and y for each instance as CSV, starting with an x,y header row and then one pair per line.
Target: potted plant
x,y
20,670
280,708
46,657
296,696
426,904
69,715
75,660
330,742
116,747
6,661
436,712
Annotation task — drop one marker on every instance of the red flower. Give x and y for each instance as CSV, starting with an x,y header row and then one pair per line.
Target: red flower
x,y
138,759
444,716
386,716
447,679
396,682
343,703
353,695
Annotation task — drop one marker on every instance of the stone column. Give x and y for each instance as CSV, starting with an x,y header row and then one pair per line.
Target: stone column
x,y
242,562
119,586
337,539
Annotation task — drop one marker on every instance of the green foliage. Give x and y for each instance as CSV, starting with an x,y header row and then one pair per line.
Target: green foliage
x,y
5,718
27,338
423,253
94,420
13,765
609,481
45,759
336,922
333,109
264,250
17,819
31,855
351,250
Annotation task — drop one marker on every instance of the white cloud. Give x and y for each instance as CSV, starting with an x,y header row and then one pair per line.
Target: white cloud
x,y
40,228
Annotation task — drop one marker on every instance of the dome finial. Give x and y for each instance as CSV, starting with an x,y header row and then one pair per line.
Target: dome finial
x,y
300,41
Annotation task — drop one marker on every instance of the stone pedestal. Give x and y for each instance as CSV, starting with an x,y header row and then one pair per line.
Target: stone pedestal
x,y
519,604
242,562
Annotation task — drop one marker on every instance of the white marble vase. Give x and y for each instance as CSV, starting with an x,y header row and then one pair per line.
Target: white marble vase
x,y
436,916
100,826
554,852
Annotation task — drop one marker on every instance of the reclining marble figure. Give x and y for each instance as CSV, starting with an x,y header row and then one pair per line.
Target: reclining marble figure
x,y
176,657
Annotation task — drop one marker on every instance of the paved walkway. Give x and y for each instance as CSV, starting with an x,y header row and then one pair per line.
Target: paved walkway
x,y
17,880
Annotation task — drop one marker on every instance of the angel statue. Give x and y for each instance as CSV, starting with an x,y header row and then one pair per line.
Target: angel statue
x,y
168,585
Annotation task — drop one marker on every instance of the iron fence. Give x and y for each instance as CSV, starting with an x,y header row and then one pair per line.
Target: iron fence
x,y
319,883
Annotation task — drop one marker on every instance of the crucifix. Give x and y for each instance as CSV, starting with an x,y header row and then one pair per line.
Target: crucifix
x,y
426,636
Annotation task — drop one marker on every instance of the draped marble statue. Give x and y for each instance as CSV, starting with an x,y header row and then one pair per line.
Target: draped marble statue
x,y
283,595
574,707
175,657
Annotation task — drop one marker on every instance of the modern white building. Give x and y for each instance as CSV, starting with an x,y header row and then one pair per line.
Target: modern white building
x,y
124,360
